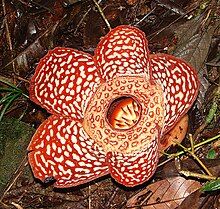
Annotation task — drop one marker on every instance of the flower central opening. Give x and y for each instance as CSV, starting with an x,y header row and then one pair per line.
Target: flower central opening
x,y
124,112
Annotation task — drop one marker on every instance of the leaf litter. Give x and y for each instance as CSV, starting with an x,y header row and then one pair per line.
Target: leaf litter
x,y
189,29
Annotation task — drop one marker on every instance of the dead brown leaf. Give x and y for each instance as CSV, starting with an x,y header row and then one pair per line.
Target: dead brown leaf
x,y
191,201
193,46
164,194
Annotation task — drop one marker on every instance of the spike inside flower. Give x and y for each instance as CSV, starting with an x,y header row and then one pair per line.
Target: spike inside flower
x,y
124,112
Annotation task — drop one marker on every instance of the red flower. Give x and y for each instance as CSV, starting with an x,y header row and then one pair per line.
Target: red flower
x,y
109,110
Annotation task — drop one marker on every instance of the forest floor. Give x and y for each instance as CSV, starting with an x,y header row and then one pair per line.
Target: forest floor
x,y
188,29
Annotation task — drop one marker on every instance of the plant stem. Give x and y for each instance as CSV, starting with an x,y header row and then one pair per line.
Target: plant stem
x,y
198,175
25,95
195,146
197,159
191,143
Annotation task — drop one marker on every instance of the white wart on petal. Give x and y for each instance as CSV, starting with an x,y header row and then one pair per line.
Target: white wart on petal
x,y
180,86
135,168
61,150
64,81
123,51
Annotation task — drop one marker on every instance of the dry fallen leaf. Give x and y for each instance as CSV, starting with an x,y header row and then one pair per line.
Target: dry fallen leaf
x,y
193,46
165,194
192,201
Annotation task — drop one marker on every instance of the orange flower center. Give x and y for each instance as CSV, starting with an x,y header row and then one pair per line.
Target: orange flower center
x,y
123,113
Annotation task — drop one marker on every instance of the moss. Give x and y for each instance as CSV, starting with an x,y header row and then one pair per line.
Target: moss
x,y
14,139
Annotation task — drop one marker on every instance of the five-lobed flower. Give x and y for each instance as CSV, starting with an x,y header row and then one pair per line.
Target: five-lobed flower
x,y
109,111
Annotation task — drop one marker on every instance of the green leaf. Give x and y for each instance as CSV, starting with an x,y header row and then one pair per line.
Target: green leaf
x,y
2,80
5,89
8,97
7,105
211,113
211,154
211,186
12,88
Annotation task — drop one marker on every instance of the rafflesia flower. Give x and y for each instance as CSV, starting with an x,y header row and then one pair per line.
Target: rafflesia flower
x,y
109,111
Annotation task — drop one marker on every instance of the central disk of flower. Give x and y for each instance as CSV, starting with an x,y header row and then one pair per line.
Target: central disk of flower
x,y
123,113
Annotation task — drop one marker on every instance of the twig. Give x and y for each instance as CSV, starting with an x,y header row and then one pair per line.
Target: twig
x,y
6,26
84,16
196,158
191,143
42,6
174,155
142,19
197,175
3,205
16,205
28,48
192,174
81,20
107,204
8,37
199,130
195,146
164,162
22,79
102,14
177,19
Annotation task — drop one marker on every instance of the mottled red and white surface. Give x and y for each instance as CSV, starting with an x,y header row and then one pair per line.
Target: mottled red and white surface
x,y
79,143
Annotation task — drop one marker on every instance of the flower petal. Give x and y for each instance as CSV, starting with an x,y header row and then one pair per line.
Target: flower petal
x,y
180,85
122,51
135,168
61,150
64,81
